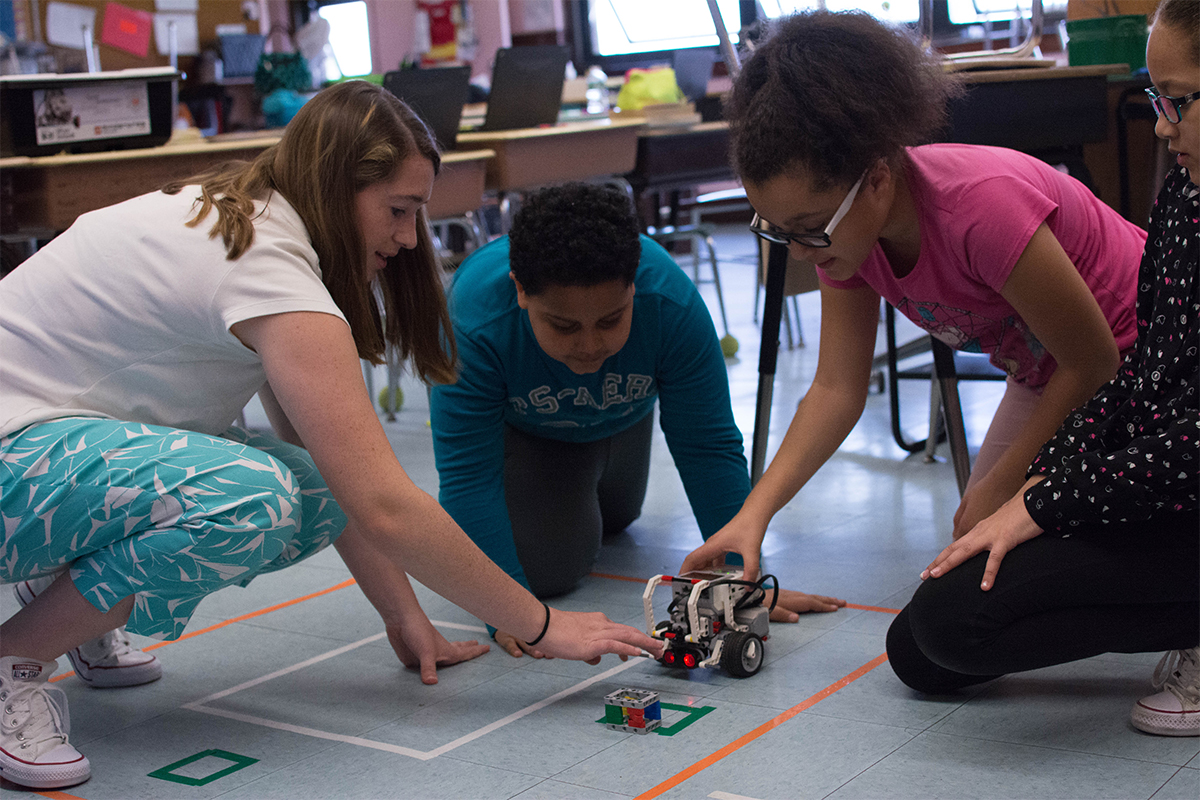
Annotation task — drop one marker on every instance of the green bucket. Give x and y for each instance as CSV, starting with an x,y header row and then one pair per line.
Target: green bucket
x,y
1108,40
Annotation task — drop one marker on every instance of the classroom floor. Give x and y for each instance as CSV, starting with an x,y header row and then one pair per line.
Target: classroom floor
x,y
288,688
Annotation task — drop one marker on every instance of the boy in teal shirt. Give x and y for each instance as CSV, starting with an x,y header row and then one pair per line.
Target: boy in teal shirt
x,y
568,330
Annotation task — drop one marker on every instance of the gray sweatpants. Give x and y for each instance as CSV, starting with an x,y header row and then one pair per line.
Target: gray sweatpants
x,y
564,497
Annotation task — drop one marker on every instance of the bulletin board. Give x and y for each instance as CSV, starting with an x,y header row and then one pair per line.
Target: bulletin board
x,y
209,14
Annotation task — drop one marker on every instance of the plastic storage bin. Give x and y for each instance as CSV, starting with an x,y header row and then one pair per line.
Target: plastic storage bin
x,y
1108,40
44,114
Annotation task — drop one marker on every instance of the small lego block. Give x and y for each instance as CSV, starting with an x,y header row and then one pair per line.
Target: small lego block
x,y
631,698
653,711
634,716
649,726
613,715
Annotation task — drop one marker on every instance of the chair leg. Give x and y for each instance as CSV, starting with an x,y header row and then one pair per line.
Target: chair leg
x,y
393,382
799,329
945,374
935,419
716,278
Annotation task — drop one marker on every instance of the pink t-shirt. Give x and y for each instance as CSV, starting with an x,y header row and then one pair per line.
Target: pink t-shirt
x,y
977,208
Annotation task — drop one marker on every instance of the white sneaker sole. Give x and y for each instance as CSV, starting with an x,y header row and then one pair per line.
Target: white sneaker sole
x,y
100,677
44,776
1165,723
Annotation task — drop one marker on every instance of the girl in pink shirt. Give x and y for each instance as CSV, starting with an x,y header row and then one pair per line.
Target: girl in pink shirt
x,y
988,249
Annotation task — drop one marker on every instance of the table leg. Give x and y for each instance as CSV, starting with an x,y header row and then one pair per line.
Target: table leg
x,y
768,354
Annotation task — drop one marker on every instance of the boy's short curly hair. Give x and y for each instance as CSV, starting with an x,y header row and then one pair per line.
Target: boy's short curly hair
x,y
831,93
576,234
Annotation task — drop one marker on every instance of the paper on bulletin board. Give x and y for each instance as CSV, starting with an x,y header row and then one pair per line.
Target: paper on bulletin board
x,y
176,6
127,29
187,35
65,23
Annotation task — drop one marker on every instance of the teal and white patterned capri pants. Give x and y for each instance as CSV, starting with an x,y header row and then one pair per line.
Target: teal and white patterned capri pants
x,y
166,515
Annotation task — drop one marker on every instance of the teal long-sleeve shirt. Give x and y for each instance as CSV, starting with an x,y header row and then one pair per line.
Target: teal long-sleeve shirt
x,y
505,378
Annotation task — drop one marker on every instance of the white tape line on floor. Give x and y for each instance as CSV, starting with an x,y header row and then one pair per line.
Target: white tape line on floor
x,y
200,705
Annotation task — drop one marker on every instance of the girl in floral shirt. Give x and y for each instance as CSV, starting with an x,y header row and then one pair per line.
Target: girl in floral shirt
x,y
1115,489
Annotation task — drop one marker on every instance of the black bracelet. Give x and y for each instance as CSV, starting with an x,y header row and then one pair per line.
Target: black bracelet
x,y
545,627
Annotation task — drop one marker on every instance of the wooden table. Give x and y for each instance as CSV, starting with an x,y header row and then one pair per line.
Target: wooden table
x,y
571,151
42,196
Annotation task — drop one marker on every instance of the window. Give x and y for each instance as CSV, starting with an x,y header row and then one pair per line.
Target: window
x,y
349,39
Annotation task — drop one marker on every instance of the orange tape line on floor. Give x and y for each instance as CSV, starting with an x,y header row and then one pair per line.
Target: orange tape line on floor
x,y
873,608
769,725
57,795
242,618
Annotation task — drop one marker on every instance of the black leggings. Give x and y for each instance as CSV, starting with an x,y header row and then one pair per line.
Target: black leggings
x,y
1055,599
564,497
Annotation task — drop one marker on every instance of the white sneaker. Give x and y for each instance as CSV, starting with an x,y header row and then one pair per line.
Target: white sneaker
x,y
1175,711
34,751
106,662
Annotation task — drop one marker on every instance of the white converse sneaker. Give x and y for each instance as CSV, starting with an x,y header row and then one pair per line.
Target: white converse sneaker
x,y
34,751
1175,711
106,662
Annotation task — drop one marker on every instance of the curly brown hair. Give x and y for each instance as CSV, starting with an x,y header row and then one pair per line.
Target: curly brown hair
x,y
830,94
576,234
346,138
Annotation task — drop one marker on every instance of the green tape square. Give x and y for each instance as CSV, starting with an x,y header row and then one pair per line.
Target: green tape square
x,y
167,773
693,713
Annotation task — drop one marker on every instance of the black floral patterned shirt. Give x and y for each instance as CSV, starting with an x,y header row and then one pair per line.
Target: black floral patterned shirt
x,y
1132,452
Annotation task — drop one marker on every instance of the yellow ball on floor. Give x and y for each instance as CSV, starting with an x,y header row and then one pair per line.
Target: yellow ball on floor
x,y
383,399
729,345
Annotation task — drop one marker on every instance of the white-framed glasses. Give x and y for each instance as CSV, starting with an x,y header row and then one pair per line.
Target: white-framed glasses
x,y
765,230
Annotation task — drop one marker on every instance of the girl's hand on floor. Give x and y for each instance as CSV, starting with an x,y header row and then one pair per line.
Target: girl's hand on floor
x,y
421,647
515,647
792,604
998,534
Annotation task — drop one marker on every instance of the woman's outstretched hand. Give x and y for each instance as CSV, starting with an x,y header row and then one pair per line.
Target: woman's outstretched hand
x,y
585,636
998,534
421,647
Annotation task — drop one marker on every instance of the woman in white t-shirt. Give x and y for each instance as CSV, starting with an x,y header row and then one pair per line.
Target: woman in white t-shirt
x,y
129,344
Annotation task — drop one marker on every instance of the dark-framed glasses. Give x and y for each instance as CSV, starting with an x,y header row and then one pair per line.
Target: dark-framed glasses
x,y
1170,107
763,229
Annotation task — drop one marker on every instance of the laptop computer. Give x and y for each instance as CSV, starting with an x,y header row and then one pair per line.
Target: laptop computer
x,y
436,95
693,68
527,85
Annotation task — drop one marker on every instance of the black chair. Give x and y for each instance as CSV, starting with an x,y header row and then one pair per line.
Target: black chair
x,y
945,414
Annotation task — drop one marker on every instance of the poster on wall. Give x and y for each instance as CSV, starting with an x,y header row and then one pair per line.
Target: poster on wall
x,y
84,113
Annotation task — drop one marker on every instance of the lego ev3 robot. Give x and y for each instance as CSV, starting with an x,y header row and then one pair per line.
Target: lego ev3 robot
x,y
715,619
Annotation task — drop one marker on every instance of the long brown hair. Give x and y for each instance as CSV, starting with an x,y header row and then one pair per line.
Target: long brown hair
x,y
346,138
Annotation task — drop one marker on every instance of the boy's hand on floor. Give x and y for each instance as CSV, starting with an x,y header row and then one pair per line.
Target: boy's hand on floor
x,y
515,647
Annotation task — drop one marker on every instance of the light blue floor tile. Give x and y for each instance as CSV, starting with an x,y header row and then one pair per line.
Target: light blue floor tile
x,y
1184,785
806,757
639,763
932,765
557,790
1083,706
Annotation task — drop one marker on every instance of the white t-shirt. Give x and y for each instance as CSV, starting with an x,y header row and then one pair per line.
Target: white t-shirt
x,y
127,314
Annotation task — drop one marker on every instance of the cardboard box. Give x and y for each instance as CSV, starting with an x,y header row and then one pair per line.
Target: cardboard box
x,y
45,114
